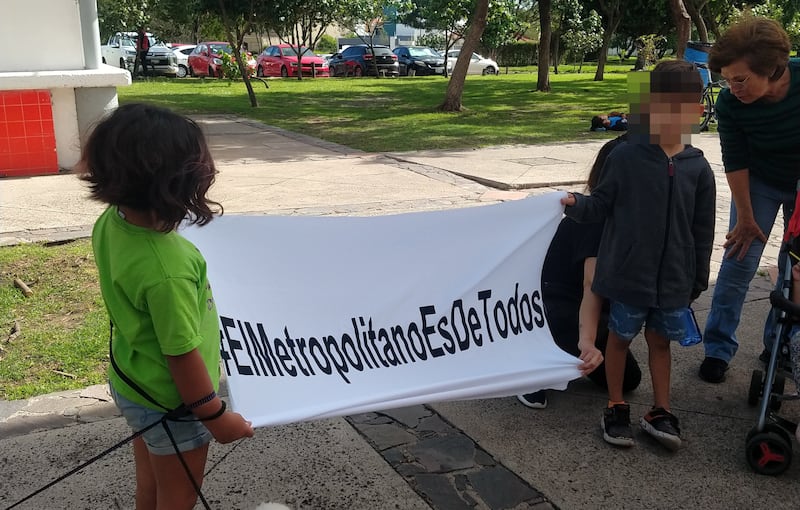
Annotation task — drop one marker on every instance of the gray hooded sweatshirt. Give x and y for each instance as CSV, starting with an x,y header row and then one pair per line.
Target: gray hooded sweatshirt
x,y
660,212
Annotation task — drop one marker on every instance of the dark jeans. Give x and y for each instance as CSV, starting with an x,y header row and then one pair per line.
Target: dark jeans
x,y
563,320
143,62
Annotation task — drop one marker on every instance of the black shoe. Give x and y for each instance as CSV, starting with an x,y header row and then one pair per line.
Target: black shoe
x,y
662,425
535,400
713,370
616,425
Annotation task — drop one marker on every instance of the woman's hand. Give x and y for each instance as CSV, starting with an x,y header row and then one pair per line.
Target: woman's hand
x,y
590,355
568,200
742,236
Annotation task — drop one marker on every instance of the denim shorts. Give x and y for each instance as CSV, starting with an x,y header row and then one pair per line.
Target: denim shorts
x,y
626,321
188,435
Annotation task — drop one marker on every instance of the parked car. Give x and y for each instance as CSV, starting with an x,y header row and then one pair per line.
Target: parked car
x,y
477,64
205,59
181,52
281,60
120,50
358,61
420,60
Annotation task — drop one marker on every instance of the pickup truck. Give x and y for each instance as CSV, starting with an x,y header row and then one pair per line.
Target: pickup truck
x,y
121,51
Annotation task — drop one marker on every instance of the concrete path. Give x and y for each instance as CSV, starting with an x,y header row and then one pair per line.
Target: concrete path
x,y
484,454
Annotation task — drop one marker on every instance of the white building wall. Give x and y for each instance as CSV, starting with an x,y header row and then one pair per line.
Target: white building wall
x,y
40,35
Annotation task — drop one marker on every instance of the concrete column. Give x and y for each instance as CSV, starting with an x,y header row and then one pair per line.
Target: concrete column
x,y
92,104
90,33
65,120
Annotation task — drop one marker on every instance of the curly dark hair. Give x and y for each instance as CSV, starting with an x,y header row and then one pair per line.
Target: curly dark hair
x,y
762,43
151,159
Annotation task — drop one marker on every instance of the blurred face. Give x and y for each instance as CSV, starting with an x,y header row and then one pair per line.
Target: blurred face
x,y
746,85
671,117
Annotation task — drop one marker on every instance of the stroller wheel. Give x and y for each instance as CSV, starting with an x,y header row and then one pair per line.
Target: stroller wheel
x,y
777,391
769,452
755,388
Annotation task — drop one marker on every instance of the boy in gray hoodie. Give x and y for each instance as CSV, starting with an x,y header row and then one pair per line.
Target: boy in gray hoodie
x,y
657,196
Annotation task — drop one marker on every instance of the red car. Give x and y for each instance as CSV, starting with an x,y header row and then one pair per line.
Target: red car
x,y
205,59
281,60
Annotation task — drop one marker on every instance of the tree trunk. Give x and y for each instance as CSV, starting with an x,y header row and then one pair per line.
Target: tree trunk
x,y
455,88
612,10
683,26
556,38
235,44
710,22
693,9
545,29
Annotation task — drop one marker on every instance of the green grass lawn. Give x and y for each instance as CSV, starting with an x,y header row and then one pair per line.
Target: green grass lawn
x,y
400,114
63,338
63,328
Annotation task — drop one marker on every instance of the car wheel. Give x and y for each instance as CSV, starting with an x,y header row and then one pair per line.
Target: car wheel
x,y
191,71
103,59
260,72
182,71
284,72
122,63
357,72
210,72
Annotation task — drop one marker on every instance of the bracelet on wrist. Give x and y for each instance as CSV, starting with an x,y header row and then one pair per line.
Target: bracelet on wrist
x,y
205,400
217,414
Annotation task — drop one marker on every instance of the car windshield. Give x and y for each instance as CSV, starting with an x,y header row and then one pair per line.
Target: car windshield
x,y
220,48
423,52
291,53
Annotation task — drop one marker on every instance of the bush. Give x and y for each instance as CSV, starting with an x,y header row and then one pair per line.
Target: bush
x,y
518,54
230,69
326,44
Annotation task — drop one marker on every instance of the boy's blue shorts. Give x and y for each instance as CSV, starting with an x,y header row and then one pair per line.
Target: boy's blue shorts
x,y
188,435
626,321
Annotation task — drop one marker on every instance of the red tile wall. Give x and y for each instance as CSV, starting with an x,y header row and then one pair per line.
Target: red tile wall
x,y
27,136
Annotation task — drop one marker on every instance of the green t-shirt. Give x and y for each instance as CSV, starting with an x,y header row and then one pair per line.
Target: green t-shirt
x,y
157,294
763,137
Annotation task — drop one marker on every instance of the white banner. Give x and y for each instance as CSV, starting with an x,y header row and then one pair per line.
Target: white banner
x,y
329,316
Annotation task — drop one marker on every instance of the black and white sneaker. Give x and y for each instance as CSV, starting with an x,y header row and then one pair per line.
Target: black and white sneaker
x,y
662,425
535,400
616,425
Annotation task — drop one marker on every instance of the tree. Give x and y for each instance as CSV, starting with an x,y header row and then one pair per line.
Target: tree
x,y
238,17
448,16
506,22
366,18
455,87
612,15
545,31
584,37
301,24
694,8
683,26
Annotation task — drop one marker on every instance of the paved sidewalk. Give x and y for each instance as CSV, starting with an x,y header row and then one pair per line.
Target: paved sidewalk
x,y
484,454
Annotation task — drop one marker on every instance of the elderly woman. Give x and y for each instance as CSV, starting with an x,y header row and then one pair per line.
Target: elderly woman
x,y
759,129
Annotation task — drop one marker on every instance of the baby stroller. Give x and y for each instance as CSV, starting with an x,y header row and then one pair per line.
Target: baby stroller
x,y
769,443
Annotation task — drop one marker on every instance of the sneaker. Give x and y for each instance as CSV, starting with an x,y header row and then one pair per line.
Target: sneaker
x,y
662,425
616,425
535,400
713,370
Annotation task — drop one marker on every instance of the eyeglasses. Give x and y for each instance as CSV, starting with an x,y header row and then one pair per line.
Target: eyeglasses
x,y
734,84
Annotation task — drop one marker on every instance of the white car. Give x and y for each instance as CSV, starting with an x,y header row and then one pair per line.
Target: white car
x,y
181,52
477,65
